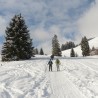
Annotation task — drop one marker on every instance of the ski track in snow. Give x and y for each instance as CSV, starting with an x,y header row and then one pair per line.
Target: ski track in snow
x,y
84,76
62,87
24,80
78,78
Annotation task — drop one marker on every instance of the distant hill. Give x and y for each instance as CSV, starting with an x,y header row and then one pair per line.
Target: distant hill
x,y
93,42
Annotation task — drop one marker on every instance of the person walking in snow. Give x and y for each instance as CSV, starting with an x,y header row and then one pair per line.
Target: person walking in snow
x,y
50,64
52,57
57,64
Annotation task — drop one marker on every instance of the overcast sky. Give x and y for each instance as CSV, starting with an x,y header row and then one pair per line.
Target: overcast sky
x,y
69,19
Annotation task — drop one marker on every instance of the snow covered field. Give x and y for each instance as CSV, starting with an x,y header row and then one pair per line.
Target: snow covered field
x,y
24,79
78,78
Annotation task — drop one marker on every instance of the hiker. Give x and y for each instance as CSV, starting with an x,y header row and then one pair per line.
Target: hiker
x,y
57,64
52,57
50,64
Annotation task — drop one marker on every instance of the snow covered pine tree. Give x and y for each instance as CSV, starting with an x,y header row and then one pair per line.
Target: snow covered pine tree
x,y
18,44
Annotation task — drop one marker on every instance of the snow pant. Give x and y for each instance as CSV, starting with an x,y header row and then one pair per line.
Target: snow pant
x,y
50,67
58,67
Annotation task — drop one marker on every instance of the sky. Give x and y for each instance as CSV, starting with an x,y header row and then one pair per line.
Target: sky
x,y
70,20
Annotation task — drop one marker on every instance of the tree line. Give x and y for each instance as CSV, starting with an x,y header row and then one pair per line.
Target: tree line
x,y
67,45
36,51
18,44
56,51
84,47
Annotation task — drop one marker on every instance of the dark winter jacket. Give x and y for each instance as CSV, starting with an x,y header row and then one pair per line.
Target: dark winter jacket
x,y
50,62
52,57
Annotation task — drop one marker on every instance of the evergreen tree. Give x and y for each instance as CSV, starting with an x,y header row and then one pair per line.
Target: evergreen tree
x,y
72,53
55,46
62,47
96,51
93,48
36,51
33,52
76,55
85,47
67,45
41,52
18,44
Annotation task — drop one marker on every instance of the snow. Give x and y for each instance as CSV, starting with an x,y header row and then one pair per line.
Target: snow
x,y
62,87
84,74
23,79
67,52
77,78
92,43
42,56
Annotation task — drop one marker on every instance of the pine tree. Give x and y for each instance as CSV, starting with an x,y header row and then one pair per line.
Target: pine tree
x,y
85,47
55,46
33,52
36,51
72,53
62,47
76,55
41,52
18,44
93,48
67,45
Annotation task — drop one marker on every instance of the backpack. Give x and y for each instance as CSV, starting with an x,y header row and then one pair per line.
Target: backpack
x,y
50,63
57,61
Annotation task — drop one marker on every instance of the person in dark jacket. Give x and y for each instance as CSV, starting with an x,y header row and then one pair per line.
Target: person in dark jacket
x,y
50,64
52,57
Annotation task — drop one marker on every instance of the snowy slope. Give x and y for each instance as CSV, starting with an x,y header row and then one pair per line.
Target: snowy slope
x,y
24,79
62,87
77,78
93,42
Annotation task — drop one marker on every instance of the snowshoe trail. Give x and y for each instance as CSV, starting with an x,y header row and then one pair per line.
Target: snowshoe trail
x,y
62,87
77,78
